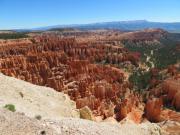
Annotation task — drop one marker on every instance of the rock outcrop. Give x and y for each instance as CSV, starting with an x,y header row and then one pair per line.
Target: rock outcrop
x,y
35,100
131,107
86,113
165,94
153,110
19,124
70,66
170,127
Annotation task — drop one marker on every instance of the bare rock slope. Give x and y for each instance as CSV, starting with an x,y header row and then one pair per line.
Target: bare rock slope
x,y
35,100
13,123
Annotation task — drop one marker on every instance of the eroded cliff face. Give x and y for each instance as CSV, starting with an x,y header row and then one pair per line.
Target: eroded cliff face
x,y
164,98
86,71
69,66
130,107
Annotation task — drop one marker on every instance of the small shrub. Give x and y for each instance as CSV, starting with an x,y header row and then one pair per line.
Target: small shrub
x,y
10,107
38,117
21,94
43,132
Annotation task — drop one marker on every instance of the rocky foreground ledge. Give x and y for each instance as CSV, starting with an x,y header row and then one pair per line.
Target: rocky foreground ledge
x,y
35,100
13,123
57,114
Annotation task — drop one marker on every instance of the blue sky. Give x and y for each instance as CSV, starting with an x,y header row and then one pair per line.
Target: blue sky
x,y
37,13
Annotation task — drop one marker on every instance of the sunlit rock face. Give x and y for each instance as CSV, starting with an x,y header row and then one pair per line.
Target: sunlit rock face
x,y
153,109
168,91
167,102
155,112
131,107
172,89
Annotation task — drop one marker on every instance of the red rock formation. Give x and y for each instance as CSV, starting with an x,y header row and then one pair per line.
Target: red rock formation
x,y
69,66
155,113
131,107
172,89
153,109
172,70
168,95
76,67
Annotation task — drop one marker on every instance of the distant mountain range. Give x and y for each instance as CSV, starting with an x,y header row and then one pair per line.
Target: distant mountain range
x,y
121,25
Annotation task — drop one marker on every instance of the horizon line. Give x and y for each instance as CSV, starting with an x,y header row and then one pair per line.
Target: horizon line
x,y
74,24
